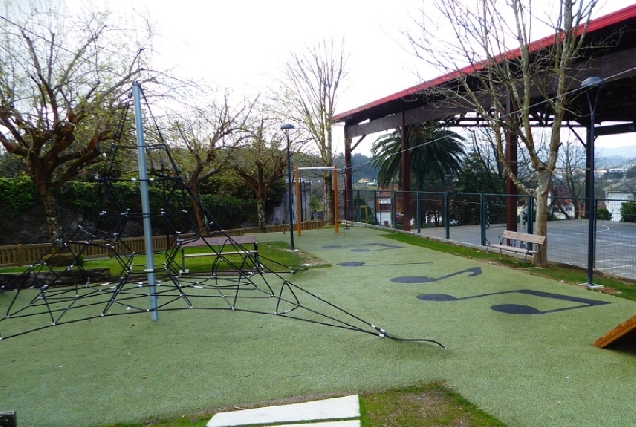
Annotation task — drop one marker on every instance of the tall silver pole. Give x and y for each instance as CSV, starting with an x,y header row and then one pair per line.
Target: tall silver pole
x,y
145,202
286,127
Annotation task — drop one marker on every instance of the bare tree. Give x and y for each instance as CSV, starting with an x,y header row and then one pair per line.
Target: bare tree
x,y
209,134
569,182
497,73
261,162
64,81
311,85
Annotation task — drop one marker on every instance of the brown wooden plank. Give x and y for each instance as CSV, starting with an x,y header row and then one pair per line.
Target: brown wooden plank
x,y
513,249
624,329
524,237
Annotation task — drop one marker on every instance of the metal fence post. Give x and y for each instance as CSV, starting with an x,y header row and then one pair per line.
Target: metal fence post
x,y
530,216
394,210
419,222
482,216
447,215
376,221
593,248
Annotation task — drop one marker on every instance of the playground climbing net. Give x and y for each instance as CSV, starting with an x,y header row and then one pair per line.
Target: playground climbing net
x,y
58,289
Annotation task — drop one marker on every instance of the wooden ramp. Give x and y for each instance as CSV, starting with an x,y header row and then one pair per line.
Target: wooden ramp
x,y
624,332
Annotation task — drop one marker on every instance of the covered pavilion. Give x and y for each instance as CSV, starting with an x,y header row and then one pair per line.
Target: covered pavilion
x,y
609,52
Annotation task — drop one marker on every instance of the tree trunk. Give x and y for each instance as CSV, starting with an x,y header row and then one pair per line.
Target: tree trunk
x,y
260,210
261,199
50,211
543,191
196,207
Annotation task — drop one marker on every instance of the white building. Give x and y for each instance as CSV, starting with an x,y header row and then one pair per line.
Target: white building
x,y
617,193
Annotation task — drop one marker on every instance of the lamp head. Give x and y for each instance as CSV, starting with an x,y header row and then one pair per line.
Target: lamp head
x,y
287,126
592,82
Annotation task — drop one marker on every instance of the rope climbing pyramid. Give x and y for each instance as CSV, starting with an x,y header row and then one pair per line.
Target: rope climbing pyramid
x,y
58,289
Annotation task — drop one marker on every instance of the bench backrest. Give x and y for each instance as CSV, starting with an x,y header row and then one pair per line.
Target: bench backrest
x,y
524,237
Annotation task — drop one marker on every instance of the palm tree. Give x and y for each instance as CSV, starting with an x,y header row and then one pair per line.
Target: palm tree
x,y
434,153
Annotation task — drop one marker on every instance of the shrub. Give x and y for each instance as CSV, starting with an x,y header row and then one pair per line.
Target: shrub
x,y
628,212
603,214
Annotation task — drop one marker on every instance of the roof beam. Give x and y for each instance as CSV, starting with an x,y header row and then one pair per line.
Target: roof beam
x,y
621,65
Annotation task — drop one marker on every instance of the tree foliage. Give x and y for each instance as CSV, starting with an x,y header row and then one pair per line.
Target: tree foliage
x,y
476,176
64,82
209,133
434,154
628,212
261,163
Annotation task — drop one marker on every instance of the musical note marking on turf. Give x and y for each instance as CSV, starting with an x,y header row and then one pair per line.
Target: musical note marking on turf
x,y
474,271
520,308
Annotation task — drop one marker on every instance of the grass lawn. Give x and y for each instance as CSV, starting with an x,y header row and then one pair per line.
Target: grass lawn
x,y
525,370
276,256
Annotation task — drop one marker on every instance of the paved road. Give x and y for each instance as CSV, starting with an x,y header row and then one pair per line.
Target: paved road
x,y
568,242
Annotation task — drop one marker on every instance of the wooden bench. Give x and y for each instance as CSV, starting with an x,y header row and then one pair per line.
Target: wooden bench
x,y
220,243
520,243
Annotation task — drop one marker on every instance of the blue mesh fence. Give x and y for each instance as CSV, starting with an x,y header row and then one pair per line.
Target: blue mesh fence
x,y
476,219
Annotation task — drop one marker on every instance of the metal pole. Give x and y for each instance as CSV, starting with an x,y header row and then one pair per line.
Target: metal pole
x,y
286,128
376,207
418,212
590,199
530,215
591,83
346,202
482,217
335,198
298,200
447,215
145,202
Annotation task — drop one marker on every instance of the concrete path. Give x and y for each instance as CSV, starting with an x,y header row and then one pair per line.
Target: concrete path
x,y
321,411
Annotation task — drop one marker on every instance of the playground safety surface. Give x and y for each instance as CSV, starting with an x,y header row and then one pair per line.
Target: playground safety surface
x,y
517,345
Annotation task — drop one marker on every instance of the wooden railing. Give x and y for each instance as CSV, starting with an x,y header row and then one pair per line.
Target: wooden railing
x,y
17,255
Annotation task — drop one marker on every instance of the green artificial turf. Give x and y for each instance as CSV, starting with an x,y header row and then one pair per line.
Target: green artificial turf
x,y
564,273
526,370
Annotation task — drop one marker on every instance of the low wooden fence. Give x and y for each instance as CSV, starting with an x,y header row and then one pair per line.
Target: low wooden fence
x,y
17,255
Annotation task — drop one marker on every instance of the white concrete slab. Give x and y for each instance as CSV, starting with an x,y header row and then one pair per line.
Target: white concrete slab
x,y
327,409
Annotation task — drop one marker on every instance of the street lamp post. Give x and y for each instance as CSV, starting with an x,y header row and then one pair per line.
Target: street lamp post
x,y
286,127
592,86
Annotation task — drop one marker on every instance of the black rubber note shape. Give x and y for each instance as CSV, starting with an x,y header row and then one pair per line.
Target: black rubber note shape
x,y
475,271
520,308
351,264
413,279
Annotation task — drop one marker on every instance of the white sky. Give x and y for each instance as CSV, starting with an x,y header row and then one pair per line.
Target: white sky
x,y
241,44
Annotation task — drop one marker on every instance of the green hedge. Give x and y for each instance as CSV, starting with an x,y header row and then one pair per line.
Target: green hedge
x,y
229,212
88,199
17,195
628,212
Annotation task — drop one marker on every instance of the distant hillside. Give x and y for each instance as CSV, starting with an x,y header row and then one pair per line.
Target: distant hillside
x,y
362,167
621,157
